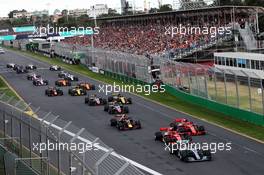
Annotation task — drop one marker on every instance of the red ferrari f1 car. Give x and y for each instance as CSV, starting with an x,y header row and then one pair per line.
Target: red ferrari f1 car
x,y
167,135
182,125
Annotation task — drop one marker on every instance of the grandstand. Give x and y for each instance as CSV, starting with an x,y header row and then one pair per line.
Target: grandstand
x,y
145,33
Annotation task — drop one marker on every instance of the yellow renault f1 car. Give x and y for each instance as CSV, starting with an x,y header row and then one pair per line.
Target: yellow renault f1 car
x,y
77,91
119,98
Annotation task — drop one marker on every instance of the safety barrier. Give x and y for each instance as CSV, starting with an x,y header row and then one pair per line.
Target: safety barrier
x,y
24,131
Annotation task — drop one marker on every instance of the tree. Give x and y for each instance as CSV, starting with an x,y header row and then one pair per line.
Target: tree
x,y
153,10
230,2
254,2
112,11
11,14
56,12
165,8
64,12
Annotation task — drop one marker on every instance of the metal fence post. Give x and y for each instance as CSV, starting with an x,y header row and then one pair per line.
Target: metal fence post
x,y
262,95
189,81
29,136
249,89
101,160
122,168
237,91
20,135
205,84
47,127
4,123
196,81
73,138
224,74
59,140
215,79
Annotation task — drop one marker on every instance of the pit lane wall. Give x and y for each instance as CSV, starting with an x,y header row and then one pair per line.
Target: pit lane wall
x,y
199,101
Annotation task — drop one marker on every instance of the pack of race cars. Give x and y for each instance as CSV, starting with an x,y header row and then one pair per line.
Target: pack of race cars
x,y
179,131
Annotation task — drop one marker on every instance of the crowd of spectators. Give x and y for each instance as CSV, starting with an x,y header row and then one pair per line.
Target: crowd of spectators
x,y
150,38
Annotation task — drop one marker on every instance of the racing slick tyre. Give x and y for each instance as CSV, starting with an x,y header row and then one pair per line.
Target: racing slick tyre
x,y
111,111
138,124
46,82
106,108
126,110
113,122
93,87
180,130
110,99
129,100
183,155
208,154
70,93
168,140
158,136
86,100
172,124
60,93
91,103
75,79
120,126
103,101
201,128
187,137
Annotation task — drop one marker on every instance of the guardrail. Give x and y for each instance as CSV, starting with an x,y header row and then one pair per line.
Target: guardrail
x,y
47,128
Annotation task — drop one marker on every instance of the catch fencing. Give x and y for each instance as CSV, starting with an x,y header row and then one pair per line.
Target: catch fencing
x,y
131,65
23,126
232,87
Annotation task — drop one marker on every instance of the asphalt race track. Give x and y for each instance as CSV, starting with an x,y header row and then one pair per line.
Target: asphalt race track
x,y
245,158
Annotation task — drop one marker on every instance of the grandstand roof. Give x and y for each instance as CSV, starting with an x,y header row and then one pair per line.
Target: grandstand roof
x,y
239,9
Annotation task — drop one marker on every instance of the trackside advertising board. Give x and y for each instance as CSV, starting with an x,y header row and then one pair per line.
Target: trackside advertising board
x,y
24,29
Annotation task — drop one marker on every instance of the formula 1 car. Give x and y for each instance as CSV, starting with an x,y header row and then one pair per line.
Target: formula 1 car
x,y
11,65
67,76
93,100
86,86
184,126
55,68
119,98
62,82
20,70
33,76
169,136
40,82
189,153
52,91
31,67
123,122
77,91
116,108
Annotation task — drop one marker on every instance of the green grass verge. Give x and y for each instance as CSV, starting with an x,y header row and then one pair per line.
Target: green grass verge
x,y
166,99
5,89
